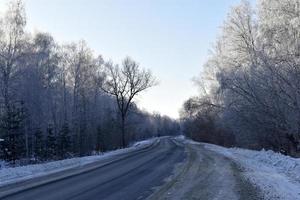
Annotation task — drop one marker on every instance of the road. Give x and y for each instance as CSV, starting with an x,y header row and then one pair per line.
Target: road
x,y
208,175
129,178
169,169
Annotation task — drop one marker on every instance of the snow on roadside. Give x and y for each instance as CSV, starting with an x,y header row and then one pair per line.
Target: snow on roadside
x,y
277,175
17,174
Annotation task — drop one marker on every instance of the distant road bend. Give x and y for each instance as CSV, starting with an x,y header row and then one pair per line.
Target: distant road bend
x,y
168,169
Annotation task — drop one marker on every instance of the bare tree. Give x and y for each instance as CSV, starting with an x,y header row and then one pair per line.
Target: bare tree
x,y
12,45
253,76
124,84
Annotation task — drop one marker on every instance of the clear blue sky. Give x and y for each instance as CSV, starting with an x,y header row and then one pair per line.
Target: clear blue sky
x,y
171,37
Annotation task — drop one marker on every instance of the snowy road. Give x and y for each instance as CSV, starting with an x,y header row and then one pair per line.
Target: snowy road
x,y
168,169
208,175
132,177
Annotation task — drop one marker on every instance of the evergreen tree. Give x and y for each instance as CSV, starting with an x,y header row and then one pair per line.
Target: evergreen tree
x,y
12,127
65,141
39,148
100,140
51,143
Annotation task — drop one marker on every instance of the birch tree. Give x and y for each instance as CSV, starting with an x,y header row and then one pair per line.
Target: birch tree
x,y
12,45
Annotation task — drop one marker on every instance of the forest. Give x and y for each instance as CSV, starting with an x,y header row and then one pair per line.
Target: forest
x,y
61,100
250,86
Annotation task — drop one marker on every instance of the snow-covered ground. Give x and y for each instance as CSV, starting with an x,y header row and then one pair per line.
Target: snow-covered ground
x,y
17,174
276,175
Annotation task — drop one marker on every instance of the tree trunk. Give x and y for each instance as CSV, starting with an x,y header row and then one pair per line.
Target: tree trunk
x,y
123,132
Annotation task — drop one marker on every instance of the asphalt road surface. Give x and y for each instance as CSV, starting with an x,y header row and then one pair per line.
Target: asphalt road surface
x,y
169,170
131,178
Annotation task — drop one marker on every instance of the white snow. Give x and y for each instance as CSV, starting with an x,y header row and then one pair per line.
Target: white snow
x,y
17,174
277,175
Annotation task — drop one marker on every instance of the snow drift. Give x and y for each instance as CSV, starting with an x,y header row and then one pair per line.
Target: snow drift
x,y
276,175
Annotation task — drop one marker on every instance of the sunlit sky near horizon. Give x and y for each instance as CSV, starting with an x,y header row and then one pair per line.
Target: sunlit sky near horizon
x,y
171,37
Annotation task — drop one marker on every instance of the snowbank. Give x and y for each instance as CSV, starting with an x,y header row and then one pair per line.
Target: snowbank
x,y
277,175
16,174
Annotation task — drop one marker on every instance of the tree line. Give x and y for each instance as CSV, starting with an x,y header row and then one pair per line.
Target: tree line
x,y
62,100
250,86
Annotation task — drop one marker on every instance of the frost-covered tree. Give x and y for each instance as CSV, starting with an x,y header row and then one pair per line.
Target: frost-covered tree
x,y
253,75
51,102
12,45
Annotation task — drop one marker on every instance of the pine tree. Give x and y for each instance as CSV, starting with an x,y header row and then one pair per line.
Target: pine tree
x,y
39,147
65,141
51,143
12,127
100,140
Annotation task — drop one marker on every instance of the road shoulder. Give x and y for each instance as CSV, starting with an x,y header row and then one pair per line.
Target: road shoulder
x,y
207,175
